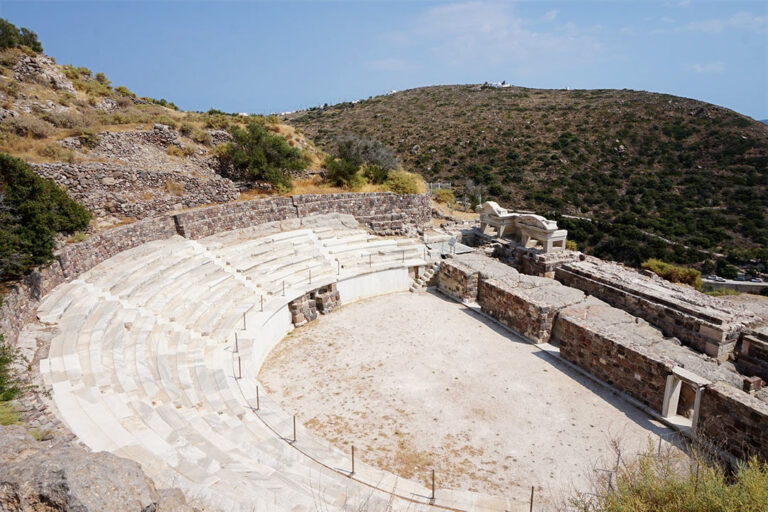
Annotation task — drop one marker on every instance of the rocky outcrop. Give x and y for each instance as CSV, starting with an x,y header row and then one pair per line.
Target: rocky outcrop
x,y
45,476
41,69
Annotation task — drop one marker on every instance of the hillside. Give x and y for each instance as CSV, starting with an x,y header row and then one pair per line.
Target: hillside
x,y
645,163
121,155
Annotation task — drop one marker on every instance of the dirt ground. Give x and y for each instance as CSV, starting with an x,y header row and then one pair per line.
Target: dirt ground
x,y
416,381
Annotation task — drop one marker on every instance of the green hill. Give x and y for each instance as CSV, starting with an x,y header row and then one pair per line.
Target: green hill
x,y
643,163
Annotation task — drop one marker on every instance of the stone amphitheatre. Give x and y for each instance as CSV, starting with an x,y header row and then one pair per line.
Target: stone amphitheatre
x,y
239,351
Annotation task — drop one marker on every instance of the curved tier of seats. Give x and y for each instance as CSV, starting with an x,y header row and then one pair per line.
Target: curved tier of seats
x,y
144,364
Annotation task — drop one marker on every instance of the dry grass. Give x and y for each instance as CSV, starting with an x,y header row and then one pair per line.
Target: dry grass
x,y
316,186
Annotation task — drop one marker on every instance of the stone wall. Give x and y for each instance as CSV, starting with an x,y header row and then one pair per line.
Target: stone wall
x,y
595,341
532,261
458,280
202,222
528,305
317,302
734,420
108,189
709,332
752,355
385,213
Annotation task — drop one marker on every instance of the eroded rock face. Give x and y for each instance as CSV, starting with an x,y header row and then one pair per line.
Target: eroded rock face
x,y
41,69
38,476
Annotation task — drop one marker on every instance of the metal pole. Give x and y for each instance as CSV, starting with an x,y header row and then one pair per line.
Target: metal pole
x,y
403,256
369,259
433,486
310,276
283,287
531,509
236,349
239,369
353,461
294,428
338,267
244,321
262,303
257,398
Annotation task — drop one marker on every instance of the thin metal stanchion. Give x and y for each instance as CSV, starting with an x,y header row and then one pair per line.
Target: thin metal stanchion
x,y
244,328
432,498
531,509
262,303
353,461
338,267
258,405
403,256
283,287
370,259
239,368
294,428
236,348
310,276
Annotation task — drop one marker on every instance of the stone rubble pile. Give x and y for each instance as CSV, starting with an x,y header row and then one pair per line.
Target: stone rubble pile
x,y
41,69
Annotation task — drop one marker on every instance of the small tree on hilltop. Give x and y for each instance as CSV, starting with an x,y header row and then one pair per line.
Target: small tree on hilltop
x,y
12,37
259,155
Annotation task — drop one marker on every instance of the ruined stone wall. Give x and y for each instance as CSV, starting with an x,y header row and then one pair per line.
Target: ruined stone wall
x,y
385,213
534,262
195,224
752,356
528,305
706,334
734,420
627,367
458,281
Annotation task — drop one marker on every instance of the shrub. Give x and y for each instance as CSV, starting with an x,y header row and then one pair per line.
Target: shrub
x,y
124,91
66,119
361,151
403,182
260,155
571,245
343,173
12,37
180,151
444,195
674,273
32,211
57,152
28,126
658,483
10,87
89,138
12,383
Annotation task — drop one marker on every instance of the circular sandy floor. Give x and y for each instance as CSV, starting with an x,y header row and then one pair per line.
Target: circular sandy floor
x,y
416,381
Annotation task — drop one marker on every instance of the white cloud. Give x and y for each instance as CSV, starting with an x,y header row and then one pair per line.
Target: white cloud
x,y
684,3
739,21
489,32
550,15
710,67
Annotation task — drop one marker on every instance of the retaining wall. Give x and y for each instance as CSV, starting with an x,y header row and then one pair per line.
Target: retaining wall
x,y
590,335
705,332
734,420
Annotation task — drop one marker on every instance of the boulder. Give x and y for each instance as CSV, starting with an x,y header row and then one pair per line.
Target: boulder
x,y
41,69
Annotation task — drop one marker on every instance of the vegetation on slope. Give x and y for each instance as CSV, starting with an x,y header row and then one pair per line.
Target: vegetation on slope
x,y
647,165
660,482
32,211
13,37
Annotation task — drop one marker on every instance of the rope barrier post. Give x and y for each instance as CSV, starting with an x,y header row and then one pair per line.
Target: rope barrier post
x,y
370,259
262,303
531,509
294,428
403,256
353,461
258,406
310,276
338,267
239,368
283,287
244,328
432,498
236,348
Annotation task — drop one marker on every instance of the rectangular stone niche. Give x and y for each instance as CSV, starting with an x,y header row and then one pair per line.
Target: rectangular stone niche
x,y
307,307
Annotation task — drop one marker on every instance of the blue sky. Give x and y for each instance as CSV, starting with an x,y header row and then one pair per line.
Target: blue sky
x,y
274,56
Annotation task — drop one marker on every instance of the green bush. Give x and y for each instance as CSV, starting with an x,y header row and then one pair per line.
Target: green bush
x,y
11,379
444,195
12,37
656,483
403,182
342,173
260,155
32,211
674,273
124,91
